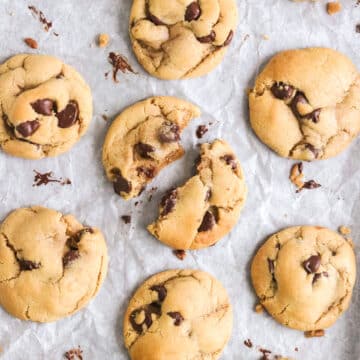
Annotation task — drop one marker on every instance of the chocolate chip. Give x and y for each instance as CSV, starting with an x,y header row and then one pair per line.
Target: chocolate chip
x,y
27,128
43,106
230,160
126,219
68,116
316,278
208,222
229,38
248,343
299,98
153,18
312,264
311,184
313,149
149,172
208,38
120,183
180,254
168,202
27,265
70,256
201,131
271,265
144,150
314,116
161,290
282,91
169,132
193,11
177,317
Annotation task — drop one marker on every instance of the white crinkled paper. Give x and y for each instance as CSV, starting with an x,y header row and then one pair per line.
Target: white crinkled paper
x,y
134,255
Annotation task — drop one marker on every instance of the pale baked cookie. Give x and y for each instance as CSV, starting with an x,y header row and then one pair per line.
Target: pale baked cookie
x,y
181,39
50,265
45,106
304,276
208,206
306,103
177,315
142,140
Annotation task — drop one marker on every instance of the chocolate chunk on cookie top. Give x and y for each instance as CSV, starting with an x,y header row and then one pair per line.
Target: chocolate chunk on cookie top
x,y
161,322
304,276
142,140
181,39
208,206
305,103
51,266
45,106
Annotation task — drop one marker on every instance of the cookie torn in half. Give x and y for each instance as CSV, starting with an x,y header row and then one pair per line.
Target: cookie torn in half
x,y
201,212
142,140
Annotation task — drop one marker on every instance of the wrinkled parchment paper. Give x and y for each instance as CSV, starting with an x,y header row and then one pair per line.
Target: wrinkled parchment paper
x,y
134,255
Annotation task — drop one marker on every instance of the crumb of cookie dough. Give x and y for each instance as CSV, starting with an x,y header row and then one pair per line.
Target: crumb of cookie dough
x,y
314,333
296,175
333,7
32,43
103,40
180,254
265,37
74,354
259,309
344,230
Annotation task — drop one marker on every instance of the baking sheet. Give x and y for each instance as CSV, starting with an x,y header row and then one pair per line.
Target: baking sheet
x,y
134,255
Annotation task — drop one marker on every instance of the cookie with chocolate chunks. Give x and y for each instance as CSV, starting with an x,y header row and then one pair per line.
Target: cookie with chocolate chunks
x,y
51,266
45,106
207,206
304,276
143,140
161,323
181,39
305,104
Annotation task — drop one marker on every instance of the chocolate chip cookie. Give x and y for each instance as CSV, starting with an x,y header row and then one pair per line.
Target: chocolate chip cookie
x,y
181,39
45,106
177,315
142,140
306,105
208,206
304,276
50,265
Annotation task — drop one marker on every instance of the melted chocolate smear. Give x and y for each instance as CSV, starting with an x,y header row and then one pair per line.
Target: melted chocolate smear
x,y
70,256
168,202
119,63
43,106
148,172
208,222
312,264
310,185
201,131
169,132
193,11
229,38
282,91
27,265
28,128
40,15
177,317
46,178
144,150
230,160
120,183
161,290
208,38
68,116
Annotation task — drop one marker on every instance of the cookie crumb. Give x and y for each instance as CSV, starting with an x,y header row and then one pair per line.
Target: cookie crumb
x,y
314,333
265,37
32,43
126,219
103,40
296,175
248,343
259,309
201,131
74,354
333,7
180,254
119,63
344,230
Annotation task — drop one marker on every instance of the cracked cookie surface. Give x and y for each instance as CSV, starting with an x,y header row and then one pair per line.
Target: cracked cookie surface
x,y
45,106
304,276
177,315
306,105
181,39
142,140
208,206
50,265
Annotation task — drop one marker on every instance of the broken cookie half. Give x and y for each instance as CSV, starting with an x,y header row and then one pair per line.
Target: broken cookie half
x,y
143,139
201,212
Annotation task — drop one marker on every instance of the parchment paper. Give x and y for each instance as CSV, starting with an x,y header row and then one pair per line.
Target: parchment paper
x,y
134,255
